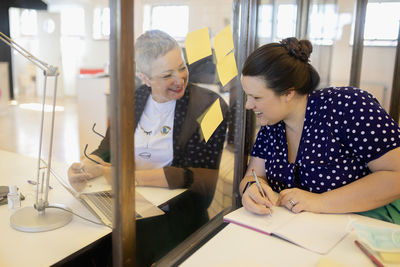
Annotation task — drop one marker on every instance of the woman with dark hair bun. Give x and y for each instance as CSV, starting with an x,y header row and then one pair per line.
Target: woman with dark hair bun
x,y
332,150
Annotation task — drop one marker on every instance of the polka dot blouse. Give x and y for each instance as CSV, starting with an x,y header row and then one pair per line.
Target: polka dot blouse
x,y
344,129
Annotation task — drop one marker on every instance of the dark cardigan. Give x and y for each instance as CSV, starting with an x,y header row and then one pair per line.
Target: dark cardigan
x,y
190,152
156,236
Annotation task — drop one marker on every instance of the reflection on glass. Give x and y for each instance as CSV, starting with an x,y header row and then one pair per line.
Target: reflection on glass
x,y
176,16
170,149
276,20
171,87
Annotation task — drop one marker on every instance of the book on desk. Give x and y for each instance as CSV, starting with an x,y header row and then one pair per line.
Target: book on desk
x,y
315,232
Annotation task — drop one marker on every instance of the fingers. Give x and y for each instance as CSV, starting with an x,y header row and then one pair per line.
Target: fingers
x,y
270,194
253,201
77,166
256,196
254,207
78,181
291,199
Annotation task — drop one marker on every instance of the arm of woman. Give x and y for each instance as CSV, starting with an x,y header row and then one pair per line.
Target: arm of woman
x,y
377,189
252,199
80,172
154,177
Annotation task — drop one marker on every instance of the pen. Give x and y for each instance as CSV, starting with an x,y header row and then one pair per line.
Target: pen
x,y
259,186
258,183
369,254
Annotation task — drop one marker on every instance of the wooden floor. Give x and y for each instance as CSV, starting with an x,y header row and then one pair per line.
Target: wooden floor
x,y
20,130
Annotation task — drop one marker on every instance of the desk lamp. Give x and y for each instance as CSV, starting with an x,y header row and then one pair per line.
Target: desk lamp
x,y
38,218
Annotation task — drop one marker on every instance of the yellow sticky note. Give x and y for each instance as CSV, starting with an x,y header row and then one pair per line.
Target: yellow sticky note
x,y
211,120
327,262
227,69
197,45
390,257
223,43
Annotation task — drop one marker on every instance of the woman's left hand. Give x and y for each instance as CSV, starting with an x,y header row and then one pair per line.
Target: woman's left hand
x,y
298,200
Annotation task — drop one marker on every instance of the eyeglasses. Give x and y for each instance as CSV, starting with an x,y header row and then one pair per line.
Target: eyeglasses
x,y
86,146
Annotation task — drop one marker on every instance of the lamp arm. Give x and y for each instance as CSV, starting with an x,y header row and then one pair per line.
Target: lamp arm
x,y
48,69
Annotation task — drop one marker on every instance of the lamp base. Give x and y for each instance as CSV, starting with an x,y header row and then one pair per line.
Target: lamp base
x,y
28,219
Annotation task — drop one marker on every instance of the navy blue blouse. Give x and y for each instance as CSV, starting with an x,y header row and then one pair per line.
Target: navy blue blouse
x,y
344,129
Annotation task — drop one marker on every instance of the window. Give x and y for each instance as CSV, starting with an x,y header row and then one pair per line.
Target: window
x,y
286,21
72,21
173,19
101,23
323,24
264,24
382,23
23,22
276,22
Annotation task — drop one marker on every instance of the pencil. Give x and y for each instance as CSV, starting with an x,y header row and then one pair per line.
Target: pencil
x,y
258,183
369,254
259,187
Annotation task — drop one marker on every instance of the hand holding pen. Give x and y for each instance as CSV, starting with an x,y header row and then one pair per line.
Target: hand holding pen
x,y
259,199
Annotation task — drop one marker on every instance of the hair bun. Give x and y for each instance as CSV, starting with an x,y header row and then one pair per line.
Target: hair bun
x,y
299,49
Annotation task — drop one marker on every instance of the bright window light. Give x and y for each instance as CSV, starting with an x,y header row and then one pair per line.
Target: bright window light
x,y
172,19
322,25
264,24
72,21
286,21
28,22
101,23
38,107
382,23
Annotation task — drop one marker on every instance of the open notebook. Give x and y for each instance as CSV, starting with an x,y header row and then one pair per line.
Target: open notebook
x,y
97,198
315,232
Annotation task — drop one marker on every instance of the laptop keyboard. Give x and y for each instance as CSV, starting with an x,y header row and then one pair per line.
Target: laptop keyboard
x,y
103,203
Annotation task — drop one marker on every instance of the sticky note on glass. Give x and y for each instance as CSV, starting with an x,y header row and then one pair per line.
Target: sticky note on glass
x,y
197,45
223,43
210,120
227,69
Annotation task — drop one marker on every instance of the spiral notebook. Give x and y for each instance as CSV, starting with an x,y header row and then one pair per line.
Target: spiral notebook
x,y
316,232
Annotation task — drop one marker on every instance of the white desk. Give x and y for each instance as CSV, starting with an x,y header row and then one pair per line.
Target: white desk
x,y
238,246
47,248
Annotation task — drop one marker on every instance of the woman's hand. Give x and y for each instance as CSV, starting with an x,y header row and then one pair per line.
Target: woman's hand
x,y
298,200
253,201
80,172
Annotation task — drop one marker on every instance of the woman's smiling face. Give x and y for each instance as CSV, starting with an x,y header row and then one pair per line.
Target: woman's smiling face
x,y
169,76
269,107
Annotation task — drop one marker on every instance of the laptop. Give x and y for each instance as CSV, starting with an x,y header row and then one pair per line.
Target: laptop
x,y
97,197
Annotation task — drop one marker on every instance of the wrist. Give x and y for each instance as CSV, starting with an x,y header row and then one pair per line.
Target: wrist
x,y
248,184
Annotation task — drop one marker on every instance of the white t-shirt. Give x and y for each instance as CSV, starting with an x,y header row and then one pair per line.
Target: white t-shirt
x,y
153,135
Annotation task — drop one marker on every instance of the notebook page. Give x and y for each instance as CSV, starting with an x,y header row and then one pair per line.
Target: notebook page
x,y
315,232
261,223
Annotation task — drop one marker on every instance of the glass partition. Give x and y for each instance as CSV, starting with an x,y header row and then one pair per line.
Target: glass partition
x,y
179,96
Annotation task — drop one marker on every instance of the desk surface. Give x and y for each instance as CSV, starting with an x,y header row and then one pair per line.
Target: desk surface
x,y
238,246
46,248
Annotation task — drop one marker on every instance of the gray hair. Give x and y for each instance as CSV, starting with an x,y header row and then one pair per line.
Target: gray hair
x,y
151,45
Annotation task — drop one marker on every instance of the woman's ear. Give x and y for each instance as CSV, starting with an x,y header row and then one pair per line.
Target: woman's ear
x,y
144,78
289,94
